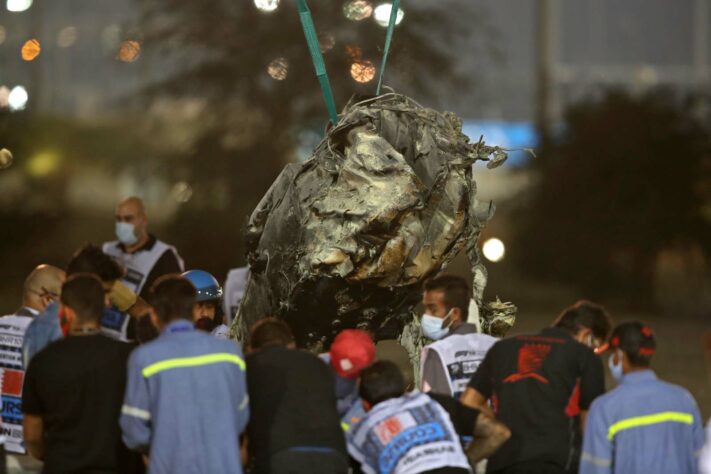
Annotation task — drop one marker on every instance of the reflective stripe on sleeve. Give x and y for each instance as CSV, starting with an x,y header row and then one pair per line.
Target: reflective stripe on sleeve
x,y
345,426
196,361
587,457
653,419
136,412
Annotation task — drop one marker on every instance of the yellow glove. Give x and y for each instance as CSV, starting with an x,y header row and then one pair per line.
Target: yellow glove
x,y
121,296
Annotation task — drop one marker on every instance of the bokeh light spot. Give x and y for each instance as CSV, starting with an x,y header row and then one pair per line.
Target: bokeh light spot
x,y
266,5
129,51
381,15
5,158
18,5
67,37
31,49
363,71
43,164
182,191
494,250
4,97
278,69
17,99
357,10
326,42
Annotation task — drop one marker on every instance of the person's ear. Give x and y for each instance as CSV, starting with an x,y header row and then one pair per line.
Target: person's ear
x,y
366,405
154,318
456,315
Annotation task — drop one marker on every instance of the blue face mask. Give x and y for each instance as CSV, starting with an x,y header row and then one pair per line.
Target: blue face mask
x,y
125,233
432,326
615,369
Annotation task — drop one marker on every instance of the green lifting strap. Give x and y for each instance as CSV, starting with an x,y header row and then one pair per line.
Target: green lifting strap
x,y
388,38
312,40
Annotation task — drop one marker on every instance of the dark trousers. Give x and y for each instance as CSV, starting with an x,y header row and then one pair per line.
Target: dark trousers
x,y
532,467
295,461
3,460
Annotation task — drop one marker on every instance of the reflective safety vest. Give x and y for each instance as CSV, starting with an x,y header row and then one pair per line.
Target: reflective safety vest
x,y
461,355
12,375
406,435
139,264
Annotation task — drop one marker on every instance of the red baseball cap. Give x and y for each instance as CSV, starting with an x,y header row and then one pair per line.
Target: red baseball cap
x,y
352,351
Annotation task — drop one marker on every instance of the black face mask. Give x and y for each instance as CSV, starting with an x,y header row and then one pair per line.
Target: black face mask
x,y
205,324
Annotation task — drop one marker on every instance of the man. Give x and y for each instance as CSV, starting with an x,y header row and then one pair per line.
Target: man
x,y
73,390
41,288
537,384
186,402
207,311
645,425
417,432
235,284
144,257
121,304
294,426
351,351
449,362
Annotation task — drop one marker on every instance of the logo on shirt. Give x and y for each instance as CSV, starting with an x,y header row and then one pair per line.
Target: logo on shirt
x,y
12,382
530,361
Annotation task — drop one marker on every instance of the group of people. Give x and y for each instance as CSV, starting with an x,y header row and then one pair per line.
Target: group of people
x,y
122,363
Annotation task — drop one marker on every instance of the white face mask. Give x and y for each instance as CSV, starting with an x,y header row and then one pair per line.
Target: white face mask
x,y
615,369
432,326
125,233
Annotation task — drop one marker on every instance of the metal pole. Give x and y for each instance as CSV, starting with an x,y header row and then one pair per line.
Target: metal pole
x,y
544,59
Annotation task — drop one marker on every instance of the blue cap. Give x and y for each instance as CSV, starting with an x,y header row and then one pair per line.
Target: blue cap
x,y
207,287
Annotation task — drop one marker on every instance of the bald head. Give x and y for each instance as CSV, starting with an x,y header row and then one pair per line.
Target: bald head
x,y
131,211
43,286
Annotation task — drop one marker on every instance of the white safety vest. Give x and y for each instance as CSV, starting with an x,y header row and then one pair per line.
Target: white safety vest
x,y
12,377
406,435
139,264
234,287
461,355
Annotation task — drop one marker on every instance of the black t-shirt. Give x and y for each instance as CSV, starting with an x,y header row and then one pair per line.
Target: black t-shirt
x,y
536,383
292,403
76,385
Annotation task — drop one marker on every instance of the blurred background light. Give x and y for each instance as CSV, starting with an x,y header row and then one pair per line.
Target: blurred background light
x,y
326,42
17,99
67,37
18,5
182,191
266,5
357,10
381,15
3,34
278,69
43,164
129,51
494,250
4,97
5,158
363,71
31,49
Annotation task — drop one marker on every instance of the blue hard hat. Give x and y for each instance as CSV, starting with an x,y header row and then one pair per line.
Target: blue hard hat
x,y
207,287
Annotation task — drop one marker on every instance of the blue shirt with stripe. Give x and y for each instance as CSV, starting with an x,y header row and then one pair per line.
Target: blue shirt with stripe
x,y
186,402
644,426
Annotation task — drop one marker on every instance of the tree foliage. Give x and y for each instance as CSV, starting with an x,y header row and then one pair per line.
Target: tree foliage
x,y
627,177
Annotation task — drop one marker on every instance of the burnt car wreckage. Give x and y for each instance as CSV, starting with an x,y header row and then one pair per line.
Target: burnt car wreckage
x,y
346,238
